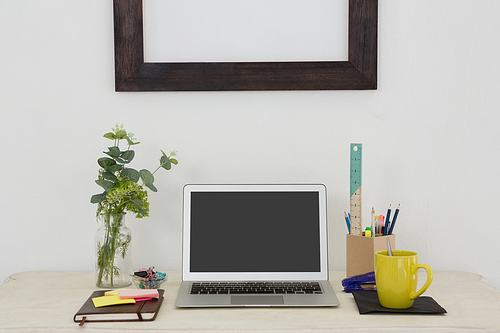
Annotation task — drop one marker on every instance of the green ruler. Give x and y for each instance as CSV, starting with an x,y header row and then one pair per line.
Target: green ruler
x,y
355,175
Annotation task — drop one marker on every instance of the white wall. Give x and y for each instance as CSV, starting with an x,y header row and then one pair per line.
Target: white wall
x,y
430,135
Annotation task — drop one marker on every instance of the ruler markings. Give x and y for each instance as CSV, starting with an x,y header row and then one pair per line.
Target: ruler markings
x,y
355,199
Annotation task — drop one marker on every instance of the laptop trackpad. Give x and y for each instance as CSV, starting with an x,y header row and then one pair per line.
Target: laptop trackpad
x,y
256,300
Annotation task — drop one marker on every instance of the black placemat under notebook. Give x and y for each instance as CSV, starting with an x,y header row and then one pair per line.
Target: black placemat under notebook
x,y
368,302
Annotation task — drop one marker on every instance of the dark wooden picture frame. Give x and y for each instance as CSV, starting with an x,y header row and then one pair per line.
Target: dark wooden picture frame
x,y
359,72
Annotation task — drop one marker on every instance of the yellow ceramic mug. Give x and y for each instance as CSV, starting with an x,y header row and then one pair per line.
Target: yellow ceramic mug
x,y
396,278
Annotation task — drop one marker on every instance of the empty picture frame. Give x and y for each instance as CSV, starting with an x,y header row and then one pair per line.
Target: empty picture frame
x,y
359,72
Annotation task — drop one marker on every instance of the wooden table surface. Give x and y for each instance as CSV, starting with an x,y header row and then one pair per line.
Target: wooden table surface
x,y
46,302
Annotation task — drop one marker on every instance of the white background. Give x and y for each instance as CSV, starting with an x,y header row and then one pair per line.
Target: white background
x,y
245,30
430,137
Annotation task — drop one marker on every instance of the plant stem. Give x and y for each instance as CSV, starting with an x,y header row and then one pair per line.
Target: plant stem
x,y
107,252
113,246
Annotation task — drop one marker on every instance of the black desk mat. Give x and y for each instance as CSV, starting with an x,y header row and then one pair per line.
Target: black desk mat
x,y
368,302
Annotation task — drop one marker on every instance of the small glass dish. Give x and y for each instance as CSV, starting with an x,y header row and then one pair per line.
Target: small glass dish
x,y
145,283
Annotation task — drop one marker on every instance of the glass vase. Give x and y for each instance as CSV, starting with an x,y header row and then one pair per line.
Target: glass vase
x,y
113,263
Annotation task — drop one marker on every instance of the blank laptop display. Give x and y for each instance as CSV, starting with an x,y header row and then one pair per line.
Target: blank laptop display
x,y
255,245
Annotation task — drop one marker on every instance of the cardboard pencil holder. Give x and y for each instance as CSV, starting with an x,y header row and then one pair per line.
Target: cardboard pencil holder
x,y
360,252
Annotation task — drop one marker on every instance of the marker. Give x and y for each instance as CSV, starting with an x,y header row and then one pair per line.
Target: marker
x,y
347,222
368,232
394,219
373,223
387,220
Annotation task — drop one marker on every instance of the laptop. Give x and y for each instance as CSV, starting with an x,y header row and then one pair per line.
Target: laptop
x,y
255,245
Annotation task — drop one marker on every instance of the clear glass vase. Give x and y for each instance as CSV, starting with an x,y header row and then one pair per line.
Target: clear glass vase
x,y
112,240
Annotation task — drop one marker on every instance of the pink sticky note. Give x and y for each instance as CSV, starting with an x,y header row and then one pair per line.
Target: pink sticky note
x,y
138,293
143,299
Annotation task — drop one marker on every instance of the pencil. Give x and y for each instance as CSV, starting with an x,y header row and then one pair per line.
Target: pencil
x,y
373,223
394,219
387,221
347,222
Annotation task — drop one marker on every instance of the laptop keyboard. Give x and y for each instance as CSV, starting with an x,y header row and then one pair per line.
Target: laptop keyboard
x,y
207,288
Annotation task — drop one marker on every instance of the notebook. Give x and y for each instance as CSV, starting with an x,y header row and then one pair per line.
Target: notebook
x,y
137,311
255,245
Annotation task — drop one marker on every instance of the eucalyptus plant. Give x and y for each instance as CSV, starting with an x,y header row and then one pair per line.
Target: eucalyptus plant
x,y
123,192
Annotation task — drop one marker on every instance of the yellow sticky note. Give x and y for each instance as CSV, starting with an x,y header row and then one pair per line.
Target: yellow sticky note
x,y
110,300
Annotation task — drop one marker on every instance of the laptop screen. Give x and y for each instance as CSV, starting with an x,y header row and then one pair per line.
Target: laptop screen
x,y
254,230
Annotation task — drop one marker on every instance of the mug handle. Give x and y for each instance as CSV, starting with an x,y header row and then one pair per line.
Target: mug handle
x,y
430,276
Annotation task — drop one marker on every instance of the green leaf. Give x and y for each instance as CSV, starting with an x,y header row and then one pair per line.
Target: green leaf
x,y
147,177
130,174
172,153
114,168
120,134
137,202
151,187
174,161
106,162
127,156
97,198
109,176
130,142
165,162
113,152
110,136
106,185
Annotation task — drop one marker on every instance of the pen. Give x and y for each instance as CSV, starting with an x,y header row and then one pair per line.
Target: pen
x,y
394,220
387,220
347,222
373,223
